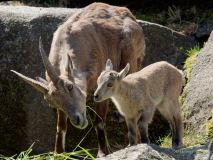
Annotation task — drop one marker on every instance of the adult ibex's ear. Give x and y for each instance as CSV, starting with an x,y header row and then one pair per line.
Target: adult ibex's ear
x,y
68,68
41,87
109,65
124,72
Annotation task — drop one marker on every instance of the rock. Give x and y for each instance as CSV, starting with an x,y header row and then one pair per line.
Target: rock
x,y
198,93
153,152
11,3
204,29
25,116
163,43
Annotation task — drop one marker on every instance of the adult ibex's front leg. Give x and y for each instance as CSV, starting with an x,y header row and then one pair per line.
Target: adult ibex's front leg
x,y
61,131
101,110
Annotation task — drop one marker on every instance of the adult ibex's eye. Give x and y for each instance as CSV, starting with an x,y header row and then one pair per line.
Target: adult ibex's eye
x,y
109,85
70,87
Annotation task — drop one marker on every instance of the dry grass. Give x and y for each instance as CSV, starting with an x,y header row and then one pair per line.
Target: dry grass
x,y
188,140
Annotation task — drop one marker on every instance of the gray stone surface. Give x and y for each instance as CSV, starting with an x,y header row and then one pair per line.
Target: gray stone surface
x,y
163,43
24,116
199,90
153,152
204,29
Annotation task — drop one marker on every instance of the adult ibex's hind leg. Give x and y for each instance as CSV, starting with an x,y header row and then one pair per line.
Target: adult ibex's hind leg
x,y
101,110
61,132
145,119
171,111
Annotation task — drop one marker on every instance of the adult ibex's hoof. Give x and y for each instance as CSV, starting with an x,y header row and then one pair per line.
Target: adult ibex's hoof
x,y
100,154
177,146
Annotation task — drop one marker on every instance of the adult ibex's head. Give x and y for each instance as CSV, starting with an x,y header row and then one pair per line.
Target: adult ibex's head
x,y
108,81
61,91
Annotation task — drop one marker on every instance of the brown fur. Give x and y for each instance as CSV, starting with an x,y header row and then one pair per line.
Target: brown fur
x,y
78,52
139,94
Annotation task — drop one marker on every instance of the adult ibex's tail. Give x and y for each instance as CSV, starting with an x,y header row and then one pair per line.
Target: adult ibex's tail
x,y
183,77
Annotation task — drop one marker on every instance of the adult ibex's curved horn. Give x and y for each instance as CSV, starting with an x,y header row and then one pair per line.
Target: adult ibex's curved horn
x,y
37,85
50,70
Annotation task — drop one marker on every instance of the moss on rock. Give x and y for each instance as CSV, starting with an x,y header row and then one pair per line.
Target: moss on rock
x,y
209,128
192,54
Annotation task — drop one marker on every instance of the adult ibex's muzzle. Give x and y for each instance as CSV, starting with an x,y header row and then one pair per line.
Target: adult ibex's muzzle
x,y
78,120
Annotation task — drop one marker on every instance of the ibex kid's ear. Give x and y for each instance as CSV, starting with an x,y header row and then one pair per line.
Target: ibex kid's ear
x,y
124,72
109,65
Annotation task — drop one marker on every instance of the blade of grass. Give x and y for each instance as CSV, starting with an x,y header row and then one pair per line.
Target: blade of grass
x,y
89,154
82,139
94,112
25,154
64,157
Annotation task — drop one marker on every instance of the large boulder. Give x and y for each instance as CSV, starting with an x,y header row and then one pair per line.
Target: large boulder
x,y
198,93
163,43
153,152
204,29
25,116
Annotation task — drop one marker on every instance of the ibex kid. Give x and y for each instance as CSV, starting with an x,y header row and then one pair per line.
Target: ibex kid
x,y
139,94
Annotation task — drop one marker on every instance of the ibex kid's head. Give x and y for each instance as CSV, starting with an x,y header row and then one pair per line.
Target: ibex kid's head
x,y
61,91
109,81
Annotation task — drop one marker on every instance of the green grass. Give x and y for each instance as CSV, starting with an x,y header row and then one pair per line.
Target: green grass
x,y
192,54
75,155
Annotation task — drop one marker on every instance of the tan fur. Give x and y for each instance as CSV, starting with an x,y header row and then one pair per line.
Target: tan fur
x,y
139,94
79,49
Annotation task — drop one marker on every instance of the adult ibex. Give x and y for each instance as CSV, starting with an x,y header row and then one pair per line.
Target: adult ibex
x,y
139,94
79,50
